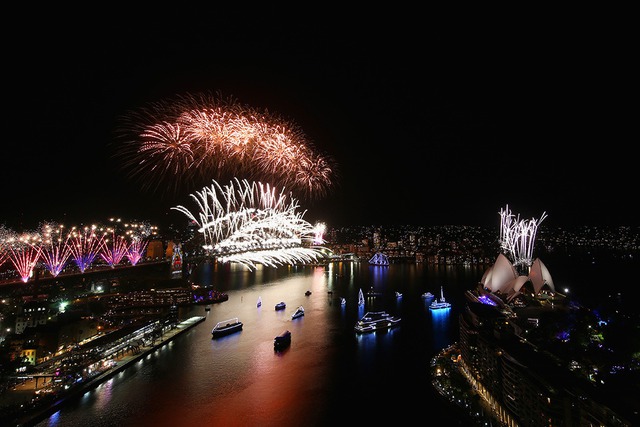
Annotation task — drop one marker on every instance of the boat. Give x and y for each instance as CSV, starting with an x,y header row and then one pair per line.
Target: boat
x,y
282,341
441,303
427,295
398,294
207,308
226,327
379,259
307,293
207,295
360,298
281,305
376,320
343,301
298,313
259,303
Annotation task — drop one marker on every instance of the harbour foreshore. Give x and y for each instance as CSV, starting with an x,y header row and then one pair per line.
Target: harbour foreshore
x,y
31,418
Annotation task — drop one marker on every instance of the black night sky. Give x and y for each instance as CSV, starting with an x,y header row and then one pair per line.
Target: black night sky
x,y
427,126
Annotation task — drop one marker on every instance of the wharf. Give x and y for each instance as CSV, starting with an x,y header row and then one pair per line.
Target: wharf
x,y
31,418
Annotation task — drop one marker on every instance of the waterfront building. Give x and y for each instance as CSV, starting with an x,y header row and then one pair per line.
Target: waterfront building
x,y
33,313
524,384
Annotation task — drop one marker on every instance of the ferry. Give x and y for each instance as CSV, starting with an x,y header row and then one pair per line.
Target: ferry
x,y
226,327
281,341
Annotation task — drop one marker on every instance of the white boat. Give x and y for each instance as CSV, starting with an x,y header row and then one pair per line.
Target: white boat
x,y
259,303
398,294
298,313
343,301
226,327
360,298
441,303
427,295
376,320
379,259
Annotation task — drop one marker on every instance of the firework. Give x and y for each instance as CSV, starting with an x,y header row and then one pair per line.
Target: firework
x,y
517,237
188,141
135,250
113,250
55,248
85,245
5,236
250,223
24,252
318,233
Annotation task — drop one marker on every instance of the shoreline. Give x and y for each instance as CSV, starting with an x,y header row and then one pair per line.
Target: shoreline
x,y
31,419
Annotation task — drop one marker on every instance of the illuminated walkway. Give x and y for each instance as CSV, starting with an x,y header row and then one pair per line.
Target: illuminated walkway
x,y
39,412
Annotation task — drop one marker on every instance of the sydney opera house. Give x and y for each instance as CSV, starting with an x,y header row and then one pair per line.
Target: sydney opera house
x,y
504,279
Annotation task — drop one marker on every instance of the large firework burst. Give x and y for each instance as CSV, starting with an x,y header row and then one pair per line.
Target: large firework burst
x,y
184,143
250,223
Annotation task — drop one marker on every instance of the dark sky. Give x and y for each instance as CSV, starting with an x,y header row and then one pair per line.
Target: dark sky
x,y
427,127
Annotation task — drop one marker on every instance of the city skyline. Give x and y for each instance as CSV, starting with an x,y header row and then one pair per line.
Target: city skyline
x,y
463,125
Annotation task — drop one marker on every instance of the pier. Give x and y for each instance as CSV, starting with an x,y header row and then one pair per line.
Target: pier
x,y
39,412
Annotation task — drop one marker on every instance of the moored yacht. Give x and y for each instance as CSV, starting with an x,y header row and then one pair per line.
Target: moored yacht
x,y
441,303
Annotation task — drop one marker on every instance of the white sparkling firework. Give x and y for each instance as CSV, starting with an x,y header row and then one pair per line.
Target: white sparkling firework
x,y
249,223
517,237
319,230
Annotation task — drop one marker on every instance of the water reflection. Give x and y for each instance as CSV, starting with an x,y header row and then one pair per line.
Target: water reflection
x,y
440,323
241,380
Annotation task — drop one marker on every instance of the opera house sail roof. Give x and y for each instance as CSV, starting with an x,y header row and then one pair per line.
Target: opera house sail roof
x,y
502,277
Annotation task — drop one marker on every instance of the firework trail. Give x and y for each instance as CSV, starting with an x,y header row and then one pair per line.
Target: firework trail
x,y
517,237
24,253
135,251
113,250
85,246
55,248
250,223
186,142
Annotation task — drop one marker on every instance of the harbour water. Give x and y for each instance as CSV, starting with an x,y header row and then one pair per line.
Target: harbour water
x,y
327,375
